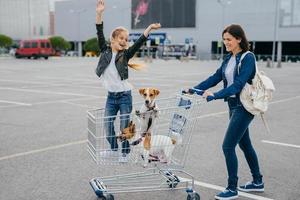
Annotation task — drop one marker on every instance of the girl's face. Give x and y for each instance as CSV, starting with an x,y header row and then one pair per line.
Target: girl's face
x,y
120,42
231,43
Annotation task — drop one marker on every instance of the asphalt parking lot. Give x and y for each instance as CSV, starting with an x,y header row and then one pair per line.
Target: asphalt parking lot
x,y
43,105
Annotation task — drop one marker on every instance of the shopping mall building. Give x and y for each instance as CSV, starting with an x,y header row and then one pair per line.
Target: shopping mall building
x,y
198,22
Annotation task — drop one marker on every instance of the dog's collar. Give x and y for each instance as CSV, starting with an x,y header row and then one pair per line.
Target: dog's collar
x,y
136,142
151,108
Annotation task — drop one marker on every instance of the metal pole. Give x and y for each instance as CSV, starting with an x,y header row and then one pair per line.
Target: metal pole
x,y
78,37
275,33
29,19
223,22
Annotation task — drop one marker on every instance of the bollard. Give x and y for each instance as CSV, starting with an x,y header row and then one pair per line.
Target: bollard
x,y
268,63
279,64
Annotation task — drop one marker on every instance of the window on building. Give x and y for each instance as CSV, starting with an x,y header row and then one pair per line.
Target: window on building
x,y
27,45
289,13
34,44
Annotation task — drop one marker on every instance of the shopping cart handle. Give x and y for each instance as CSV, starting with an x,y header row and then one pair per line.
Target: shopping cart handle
x,y
193,91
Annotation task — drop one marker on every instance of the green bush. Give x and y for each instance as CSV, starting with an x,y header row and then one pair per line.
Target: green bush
x,y
91,45
59,43
5,41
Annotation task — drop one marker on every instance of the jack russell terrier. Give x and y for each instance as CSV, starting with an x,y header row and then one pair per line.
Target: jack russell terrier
x,y
149,110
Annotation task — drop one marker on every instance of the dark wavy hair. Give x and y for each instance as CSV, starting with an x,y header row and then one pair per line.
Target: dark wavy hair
x,y
236,31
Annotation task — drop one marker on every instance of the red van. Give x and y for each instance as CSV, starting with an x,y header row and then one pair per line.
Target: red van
x,y
34,48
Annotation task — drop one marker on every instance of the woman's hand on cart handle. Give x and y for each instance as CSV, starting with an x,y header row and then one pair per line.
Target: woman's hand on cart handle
x,y
208,95
193,91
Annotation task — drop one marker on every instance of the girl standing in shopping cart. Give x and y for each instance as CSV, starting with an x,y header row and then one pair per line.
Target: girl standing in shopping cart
x,y
113,72
237,132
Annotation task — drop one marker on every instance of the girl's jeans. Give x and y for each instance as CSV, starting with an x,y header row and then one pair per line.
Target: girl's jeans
x,y
117,101
238,133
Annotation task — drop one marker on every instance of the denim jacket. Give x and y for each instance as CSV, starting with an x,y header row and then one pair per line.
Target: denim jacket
x,y
122,57
246,74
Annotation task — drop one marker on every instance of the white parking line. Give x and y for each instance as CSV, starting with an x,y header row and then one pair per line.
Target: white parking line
x,y
14,102
42,150
216,187
281,144
284,100
46,92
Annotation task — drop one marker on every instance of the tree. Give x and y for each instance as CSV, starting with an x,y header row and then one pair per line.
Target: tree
x,y
59,43
5,41
92,45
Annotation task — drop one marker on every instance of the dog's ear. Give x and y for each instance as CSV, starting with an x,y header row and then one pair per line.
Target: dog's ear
x,y
156,91
133,128
142,90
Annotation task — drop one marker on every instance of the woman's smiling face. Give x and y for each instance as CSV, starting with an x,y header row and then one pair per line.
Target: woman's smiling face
x,y
231,43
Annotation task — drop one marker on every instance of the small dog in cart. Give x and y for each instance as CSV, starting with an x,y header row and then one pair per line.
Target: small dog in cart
x,y
153,148
149,110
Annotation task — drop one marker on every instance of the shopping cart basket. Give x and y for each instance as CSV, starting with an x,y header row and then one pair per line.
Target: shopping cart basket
x,y
176,120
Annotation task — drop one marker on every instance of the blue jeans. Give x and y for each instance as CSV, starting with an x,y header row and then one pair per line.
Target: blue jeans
x,y
117,101
238,133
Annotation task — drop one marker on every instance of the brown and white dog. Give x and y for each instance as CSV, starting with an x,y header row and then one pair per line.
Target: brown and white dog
x,y
149,110
157,147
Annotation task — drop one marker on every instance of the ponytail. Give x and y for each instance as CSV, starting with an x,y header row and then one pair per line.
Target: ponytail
x,y
136,66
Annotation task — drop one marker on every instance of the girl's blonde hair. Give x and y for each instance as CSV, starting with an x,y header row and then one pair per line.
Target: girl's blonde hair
x,y
117,32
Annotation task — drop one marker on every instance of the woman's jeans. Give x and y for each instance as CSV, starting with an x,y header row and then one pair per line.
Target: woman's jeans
x,y
117,101
238,133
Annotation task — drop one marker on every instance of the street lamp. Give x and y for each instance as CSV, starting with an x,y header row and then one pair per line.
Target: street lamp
x,y
223,4
275,33
29,18
79,45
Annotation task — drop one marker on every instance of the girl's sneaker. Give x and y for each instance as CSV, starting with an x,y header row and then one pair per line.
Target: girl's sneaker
x,y
252,187
227,194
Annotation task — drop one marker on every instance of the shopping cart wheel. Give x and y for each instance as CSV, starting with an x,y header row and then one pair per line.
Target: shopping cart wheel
x,y
107,197
193,196
173,180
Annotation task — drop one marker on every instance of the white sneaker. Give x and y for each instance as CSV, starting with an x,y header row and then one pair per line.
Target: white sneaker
x,y
123,158
109,154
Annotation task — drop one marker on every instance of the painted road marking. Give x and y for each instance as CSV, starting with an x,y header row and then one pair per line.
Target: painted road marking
x,y
42,150
15,102
281,144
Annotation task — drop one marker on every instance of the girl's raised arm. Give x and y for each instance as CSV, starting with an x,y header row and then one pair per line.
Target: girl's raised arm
x,y
151,27
99,11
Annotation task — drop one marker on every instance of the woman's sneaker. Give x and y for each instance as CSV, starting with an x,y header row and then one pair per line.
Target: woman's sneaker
x,y
252,187
227,194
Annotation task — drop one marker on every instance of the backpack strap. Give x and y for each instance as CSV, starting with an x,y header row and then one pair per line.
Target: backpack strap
x,y
240,62
262,115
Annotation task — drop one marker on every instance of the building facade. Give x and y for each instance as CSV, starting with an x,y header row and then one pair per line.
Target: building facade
x,y
263,21
24,19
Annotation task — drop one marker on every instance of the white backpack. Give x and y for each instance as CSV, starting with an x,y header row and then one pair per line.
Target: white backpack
x,y
255,97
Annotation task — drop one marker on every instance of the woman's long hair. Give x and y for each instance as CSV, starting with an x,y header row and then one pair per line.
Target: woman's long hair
x,y
117,32
236,31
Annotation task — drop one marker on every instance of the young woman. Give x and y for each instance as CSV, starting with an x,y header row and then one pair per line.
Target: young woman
x,y
113,72
237,132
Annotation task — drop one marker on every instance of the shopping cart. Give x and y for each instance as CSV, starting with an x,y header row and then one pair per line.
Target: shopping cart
x,y
176,119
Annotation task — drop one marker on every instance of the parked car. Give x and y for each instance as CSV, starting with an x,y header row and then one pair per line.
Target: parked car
x,y
34,48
